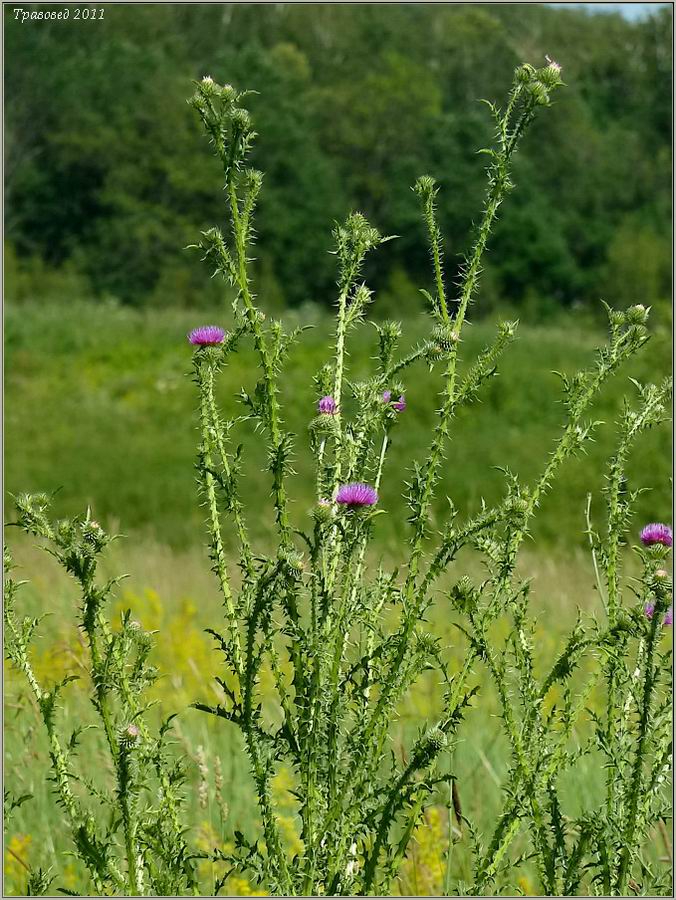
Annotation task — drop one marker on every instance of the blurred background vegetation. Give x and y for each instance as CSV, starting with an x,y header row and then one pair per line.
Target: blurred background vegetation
x,y
107,175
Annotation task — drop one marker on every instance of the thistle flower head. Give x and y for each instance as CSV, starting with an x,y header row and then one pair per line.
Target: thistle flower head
x,y
657,533
130,736
430,745
550,76
293,563
554,66
637,315
323,511
662,577
397,405
356,495
327,406
649,610
444,338
206,336
94,535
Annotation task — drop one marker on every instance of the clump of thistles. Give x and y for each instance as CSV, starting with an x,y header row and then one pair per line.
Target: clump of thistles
x,y
657,533
327,406
397,405
206,336
356,495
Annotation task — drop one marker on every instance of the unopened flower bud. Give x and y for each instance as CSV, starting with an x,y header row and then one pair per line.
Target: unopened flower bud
x,y
539,93
637,315
241,118
323,511
293,563
445,338
207,87
508,329
130,736
463,594
524,74
430,745
94,535
325,424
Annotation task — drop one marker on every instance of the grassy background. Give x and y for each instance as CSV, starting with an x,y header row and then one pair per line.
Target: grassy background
x,y
98,403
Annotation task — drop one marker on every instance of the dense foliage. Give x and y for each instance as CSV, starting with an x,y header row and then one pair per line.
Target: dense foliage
x,y
102,183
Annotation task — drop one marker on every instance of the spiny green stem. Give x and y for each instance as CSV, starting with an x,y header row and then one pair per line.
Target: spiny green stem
x,y
236,506
205,378
134,866
253,317
56,753
635,787
338,379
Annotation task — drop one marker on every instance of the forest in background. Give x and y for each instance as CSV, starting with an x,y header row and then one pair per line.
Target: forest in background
x,y
107,176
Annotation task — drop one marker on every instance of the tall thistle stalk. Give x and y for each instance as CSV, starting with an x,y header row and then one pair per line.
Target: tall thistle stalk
x,y
228,125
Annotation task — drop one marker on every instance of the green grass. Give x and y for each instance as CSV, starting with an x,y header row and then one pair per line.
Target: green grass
x,y
99,406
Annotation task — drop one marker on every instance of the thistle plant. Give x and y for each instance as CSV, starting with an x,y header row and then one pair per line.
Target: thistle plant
x,y
344,639
138,846
345,643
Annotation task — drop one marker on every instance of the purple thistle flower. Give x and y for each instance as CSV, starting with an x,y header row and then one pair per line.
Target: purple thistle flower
x,y
657,533
668,616
397,405
206,335
356,494
327,406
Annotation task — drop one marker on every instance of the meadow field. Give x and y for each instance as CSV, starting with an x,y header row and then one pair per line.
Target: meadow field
x,y
100,409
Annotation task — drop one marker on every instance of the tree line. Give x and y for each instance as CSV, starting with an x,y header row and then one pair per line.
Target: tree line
x,y
106,178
